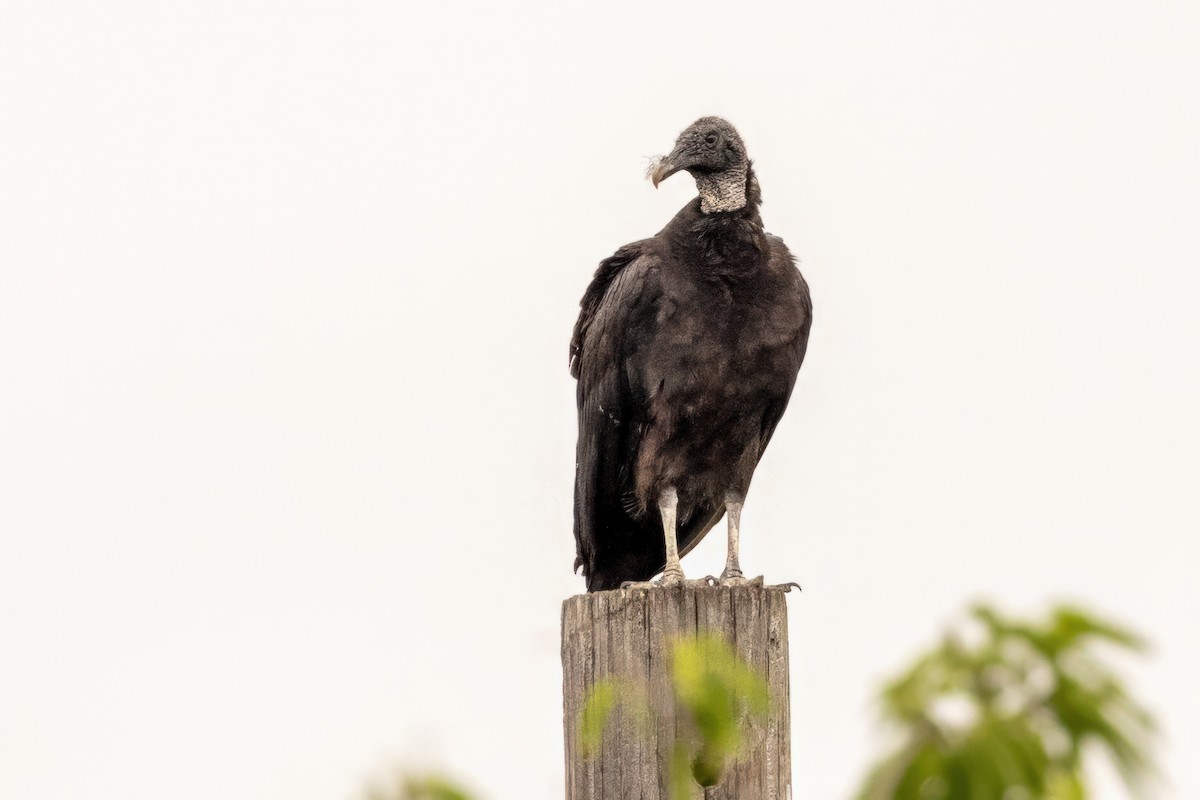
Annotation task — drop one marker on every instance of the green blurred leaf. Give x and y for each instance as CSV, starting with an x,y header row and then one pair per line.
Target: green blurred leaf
x,y
433,787
424,786
597,708
719,692
717,696
680,773
1036,693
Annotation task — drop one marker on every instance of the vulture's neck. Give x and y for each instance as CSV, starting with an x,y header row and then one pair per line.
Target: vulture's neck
x,y
728,190
723,241
722,191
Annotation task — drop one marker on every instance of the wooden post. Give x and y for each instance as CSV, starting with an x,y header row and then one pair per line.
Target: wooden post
x,y
627,634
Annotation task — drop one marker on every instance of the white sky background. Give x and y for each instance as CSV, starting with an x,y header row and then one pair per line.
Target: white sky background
x,y
286,429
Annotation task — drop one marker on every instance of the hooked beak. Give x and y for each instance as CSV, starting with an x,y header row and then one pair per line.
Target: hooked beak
x,y
665,168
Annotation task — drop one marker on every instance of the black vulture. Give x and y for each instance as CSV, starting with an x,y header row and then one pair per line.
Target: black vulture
x,y
686,351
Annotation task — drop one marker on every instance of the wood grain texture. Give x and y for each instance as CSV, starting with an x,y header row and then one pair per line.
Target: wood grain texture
x,y
627,636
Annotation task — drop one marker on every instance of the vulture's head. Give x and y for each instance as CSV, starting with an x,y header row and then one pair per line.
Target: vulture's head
x,y
713,153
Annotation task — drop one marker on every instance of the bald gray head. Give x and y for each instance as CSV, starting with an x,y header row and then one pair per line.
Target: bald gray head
x,y
713,153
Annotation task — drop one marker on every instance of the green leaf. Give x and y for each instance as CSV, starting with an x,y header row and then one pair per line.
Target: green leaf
x,y
1041,691
597,708
680,772
432,787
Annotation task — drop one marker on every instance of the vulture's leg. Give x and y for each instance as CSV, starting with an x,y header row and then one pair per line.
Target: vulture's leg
x,y
668,502
672,576
732,576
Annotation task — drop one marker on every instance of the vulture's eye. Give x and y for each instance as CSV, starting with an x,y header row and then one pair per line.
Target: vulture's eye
x,y
711,138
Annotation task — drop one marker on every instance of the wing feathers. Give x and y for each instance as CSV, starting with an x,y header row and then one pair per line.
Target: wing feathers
x,y
617,301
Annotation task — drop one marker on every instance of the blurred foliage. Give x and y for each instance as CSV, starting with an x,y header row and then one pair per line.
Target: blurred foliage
x,y
1002,709
716,693
1010,712
419,787
597,708
719,691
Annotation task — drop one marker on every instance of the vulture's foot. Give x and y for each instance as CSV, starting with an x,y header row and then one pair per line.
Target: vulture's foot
x,y
734,577
672,576
670,580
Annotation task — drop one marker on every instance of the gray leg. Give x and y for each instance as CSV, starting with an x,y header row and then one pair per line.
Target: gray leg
x,y
733,512
668,502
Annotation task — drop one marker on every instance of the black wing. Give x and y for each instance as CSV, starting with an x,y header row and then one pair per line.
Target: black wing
x,y
617,316
589,307
783,263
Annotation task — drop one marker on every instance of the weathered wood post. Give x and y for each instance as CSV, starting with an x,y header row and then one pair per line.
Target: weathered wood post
x,y
628,634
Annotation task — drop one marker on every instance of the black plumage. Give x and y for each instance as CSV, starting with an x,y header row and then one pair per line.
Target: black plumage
x,y
686,351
